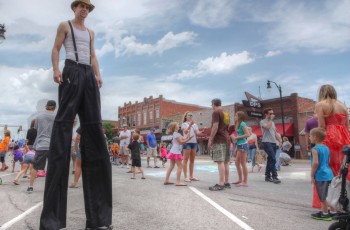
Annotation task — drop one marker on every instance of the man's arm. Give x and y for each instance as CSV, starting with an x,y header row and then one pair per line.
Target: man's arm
x,y
55,56
214,130
94,61
267,125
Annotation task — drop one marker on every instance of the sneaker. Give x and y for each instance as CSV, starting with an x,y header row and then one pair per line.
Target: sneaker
x,y
276,180
268,179
321,216
227,185
156,167
29,190
100,228
217,187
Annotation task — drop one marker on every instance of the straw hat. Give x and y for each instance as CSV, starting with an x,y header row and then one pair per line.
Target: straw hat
x,y
87,2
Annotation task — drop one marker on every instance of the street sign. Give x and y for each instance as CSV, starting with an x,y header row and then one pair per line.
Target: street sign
x,y
255,114
254,104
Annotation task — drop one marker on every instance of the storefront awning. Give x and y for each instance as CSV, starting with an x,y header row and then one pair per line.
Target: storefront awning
x,y
289,129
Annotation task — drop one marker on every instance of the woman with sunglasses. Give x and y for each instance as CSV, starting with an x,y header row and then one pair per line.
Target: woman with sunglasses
x,y
189,148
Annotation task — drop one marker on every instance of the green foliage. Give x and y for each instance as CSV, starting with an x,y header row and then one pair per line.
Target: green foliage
x,y
109,130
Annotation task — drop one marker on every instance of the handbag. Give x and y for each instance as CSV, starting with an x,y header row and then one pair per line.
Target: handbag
x,y
259,158
334,190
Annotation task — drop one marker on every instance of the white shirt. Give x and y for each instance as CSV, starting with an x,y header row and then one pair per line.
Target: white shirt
x,y
176,147
125,142
192,132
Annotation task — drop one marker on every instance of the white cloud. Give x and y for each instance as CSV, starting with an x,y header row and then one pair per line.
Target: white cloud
x,y
222,64
225,63
213,13
169,41
320,29
273,53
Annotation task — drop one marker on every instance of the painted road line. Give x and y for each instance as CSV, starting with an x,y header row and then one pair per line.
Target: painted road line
x,y
6,174
222,210
18,218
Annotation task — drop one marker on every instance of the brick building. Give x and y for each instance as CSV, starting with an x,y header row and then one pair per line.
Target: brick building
x,y
296,111
150,112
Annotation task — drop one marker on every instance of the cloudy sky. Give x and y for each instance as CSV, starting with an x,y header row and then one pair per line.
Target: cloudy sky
x,y
189,51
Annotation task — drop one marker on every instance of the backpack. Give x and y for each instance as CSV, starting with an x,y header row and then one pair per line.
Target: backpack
x,y
226,118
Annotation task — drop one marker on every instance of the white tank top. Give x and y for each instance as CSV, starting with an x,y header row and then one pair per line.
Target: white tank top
x,y
82,40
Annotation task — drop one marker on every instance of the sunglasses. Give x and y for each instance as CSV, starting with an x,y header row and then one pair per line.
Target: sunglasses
x,y
189,114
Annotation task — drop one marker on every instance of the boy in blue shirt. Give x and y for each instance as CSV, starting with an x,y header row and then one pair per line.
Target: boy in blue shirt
x,y
321,173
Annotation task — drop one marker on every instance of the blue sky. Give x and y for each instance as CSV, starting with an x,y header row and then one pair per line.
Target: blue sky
x,y
189,51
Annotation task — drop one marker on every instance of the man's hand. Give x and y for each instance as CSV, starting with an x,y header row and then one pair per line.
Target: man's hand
x,y
99,81
57,76
210,143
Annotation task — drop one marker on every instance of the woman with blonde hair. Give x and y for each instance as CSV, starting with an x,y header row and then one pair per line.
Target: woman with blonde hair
x,y
242,149
332,115
189,128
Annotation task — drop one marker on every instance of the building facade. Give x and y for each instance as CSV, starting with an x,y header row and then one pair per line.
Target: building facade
x,y
296,111
150,112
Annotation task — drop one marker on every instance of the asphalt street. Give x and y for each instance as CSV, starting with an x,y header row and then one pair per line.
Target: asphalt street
x,y
148,204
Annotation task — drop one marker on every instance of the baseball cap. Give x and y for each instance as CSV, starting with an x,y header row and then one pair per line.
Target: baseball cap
x,y
153,129
51,103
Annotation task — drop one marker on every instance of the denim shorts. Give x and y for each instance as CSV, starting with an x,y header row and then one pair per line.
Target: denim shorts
x,y
28,159
78,154
189,146
243,147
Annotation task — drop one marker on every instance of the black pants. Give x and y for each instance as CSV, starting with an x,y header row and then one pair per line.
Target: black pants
x,y
270,149
78,94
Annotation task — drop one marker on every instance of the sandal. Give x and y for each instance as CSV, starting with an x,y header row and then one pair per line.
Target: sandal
x,y
73,185
217,187
237,182
168,183
181,184
133,178
143,178
194,179
187,180
15,182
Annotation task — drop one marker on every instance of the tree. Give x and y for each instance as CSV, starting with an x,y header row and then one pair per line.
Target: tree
x,y
109,130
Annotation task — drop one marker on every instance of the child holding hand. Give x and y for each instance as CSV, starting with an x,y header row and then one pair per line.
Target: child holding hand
x,y
175,152
321,173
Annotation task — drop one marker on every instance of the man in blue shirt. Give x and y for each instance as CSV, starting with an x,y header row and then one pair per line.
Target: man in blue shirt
x,y
151,148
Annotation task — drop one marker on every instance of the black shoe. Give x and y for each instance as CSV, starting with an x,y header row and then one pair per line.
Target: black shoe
x,y
276,180
268,179
227,185
101,228
321,216
217,187
29,190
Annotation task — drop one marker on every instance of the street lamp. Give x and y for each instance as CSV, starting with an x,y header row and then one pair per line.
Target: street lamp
x,y
2,33
280,90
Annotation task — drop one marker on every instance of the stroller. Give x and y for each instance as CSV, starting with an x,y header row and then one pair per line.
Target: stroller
x,y
343,219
